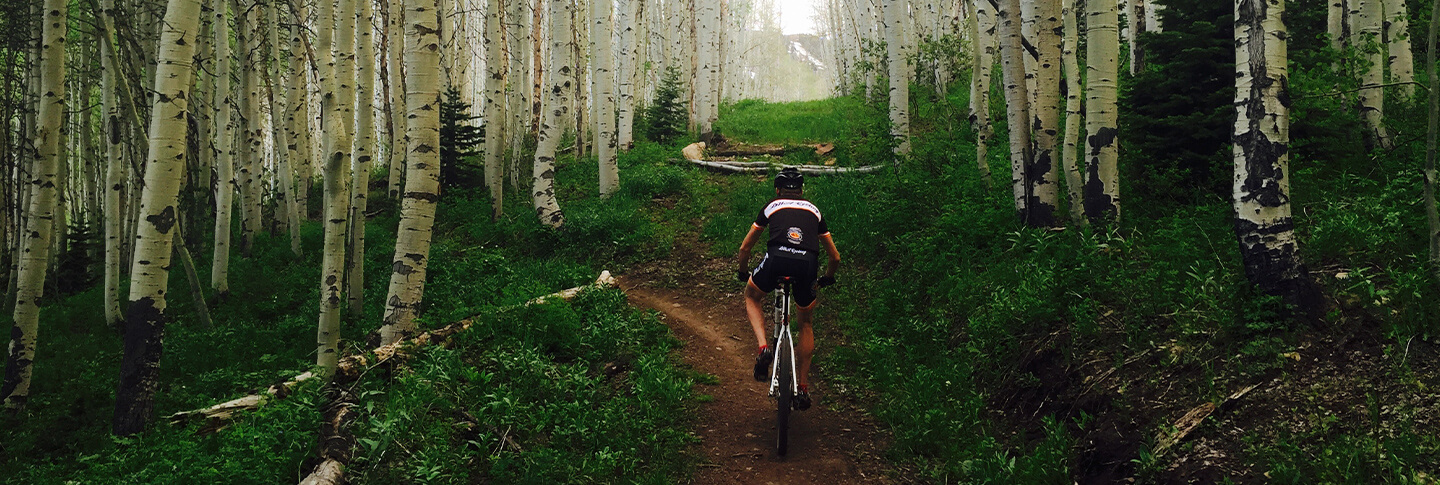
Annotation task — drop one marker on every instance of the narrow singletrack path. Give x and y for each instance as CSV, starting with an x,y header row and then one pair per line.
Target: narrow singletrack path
x,y
834,442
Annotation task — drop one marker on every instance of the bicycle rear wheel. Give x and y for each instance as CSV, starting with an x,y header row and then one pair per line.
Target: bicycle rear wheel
x,y
782,410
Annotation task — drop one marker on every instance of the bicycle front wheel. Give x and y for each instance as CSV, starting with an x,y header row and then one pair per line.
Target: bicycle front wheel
x,y
782,401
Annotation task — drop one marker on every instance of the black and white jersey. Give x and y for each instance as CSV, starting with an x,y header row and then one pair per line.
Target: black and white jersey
x,y
795,228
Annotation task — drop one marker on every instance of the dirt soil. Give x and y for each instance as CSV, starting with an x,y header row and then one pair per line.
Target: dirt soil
x,y
834,442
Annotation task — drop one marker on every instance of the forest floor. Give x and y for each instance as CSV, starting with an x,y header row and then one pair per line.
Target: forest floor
x,y
834,442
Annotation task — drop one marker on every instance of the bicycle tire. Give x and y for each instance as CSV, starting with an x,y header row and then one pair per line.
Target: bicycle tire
x,y
783,402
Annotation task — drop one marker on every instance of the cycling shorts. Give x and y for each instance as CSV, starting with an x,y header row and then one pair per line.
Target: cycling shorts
x,y
767,275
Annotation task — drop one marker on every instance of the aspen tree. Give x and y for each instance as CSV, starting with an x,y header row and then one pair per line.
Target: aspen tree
x,y
626,22
1397,42
364,151
1365,18
251,153
517,44
1136,17
1261,148
899,82
604,75
706,13
1017,105
547,208
983,26
422,182
1102,178
34,257
494,107
298,122
338,102
1070,150
285,189
396,45
1335,22
114,163
145,318
225,186
1041,181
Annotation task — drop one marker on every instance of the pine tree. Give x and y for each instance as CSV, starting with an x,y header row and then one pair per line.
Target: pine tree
x,y
665,118
460,142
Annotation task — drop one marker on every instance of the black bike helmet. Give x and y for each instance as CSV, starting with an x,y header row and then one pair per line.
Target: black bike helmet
x,y
789,178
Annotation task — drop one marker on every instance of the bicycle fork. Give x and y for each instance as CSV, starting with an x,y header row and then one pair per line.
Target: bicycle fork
x,y
783,337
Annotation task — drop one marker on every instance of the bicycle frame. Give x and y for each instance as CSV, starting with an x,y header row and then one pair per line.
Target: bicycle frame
x,y
781,332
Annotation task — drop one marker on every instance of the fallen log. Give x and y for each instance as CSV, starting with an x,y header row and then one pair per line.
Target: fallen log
x,y
218,416
762,167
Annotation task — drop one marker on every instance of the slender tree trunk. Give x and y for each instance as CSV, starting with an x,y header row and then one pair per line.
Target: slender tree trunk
x,y
114,163
197,292
517,38
1041,181
547,208
396,46
1365,16
339,105
625,24
1137,12
1336,23
252,152
422,182
494,107
1017,99
983,22
1397,41
1102,177
364,152
285,189
145,319
604,73
299,142
899,83
34,258
1431,214
224,153
1073,114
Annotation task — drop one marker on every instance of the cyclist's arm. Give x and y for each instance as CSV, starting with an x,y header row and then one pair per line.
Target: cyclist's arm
x,y
743,259
829,244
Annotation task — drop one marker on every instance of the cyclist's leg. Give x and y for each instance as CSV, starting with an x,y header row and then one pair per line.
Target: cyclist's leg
x,y
753,298
807,341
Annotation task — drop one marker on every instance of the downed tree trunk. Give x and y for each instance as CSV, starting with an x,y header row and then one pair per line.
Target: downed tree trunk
x,y
695,153
217,417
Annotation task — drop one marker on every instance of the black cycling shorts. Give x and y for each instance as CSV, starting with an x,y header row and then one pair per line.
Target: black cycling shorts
x,y
767,275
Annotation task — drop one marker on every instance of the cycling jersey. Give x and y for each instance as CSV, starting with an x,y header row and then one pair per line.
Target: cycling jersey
x,y
795,228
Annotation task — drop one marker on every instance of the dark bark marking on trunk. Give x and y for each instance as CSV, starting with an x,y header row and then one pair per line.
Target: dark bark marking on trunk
x,y
163,221
425,196
140,366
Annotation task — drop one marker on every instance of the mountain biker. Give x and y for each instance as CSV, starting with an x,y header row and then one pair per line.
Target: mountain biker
x,y
796,234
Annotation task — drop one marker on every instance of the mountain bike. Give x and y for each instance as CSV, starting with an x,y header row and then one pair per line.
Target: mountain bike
x,y
782,369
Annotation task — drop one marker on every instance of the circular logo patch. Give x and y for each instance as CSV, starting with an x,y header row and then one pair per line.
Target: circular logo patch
x,y
795,235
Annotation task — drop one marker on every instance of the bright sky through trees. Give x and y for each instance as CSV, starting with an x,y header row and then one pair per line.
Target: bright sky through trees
x,y
797,16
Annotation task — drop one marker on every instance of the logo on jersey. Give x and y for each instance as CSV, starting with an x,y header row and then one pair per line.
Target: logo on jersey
x,y
795,235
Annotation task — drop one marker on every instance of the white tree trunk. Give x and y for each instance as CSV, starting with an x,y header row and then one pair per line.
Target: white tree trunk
x,y
114,160
557,103
39,224
494,107
164,169
604,75
626,24
1263,223
1365,18
1102,178
298,122
285,188
338,105
707,41
895,40
1017,108
224,153
422,180
983,22
396,38
1040,177
364,152
252,152
1073,116
1136,17
1397,36
1335,23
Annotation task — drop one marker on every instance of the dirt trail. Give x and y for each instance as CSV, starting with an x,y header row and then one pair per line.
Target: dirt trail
x,y
831,443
